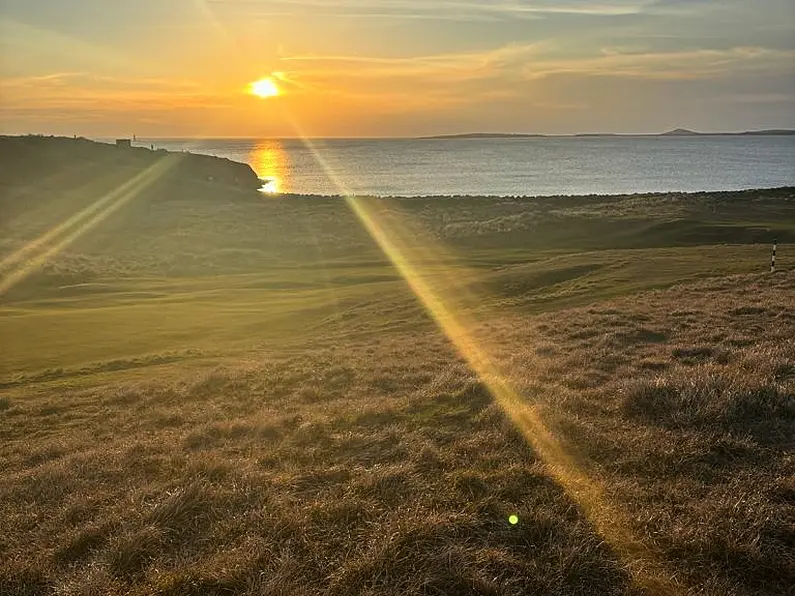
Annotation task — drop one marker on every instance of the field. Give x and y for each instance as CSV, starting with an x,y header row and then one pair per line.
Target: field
x,y
211,391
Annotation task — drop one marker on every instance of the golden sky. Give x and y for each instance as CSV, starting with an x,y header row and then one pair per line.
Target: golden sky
x,y
350,68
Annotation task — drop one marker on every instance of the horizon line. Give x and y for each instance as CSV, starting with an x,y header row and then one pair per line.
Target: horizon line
x,y
684,131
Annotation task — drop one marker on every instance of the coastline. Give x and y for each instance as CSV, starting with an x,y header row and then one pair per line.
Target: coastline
x,y
27,157
617,196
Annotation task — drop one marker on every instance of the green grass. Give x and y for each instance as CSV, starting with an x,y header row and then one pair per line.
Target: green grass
x,y
289,307
196,273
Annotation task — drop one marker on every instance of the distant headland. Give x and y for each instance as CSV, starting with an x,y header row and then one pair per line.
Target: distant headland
x,y
33,157
677,132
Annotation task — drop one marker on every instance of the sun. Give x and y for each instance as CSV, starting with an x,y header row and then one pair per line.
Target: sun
x,y
264,88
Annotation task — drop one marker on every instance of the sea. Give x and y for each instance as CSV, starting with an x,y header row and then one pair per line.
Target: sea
x,y
527,166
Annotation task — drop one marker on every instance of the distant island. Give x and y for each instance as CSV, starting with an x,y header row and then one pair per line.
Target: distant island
x,y
677,132
683,132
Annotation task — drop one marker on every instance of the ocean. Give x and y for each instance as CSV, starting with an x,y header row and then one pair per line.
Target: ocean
x,y
508,167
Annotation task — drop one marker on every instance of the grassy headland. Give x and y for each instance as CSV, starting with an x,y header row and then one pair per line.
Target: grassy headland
x,y
212,391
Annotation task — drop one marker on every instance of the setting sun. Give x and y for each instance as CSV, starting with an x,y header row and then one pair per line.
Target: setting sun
x,y
264,88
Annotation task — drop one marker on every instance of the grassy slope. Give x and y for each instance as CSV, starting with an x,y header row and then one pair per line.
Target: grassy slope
x,y
200,267
214,392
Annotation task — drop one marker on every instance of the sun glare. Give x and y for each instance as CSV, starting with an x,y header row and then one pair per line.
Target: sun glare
x,y
264,88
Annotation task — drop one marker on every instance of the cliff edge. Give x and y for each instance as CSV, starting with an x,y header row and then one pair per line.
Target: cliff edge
x,y
38,159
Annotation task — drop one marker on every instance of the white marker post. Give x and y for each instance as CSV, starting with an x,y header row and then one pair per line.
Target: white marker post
x,y
773,259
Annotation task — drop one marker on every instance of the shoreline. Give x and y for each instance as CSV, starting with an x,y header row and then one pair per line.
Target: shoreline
x,y
628,195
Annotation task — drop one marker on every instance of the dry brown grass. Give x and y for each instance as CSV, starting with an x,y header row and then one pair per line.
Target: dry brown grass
x,y
684,402
387,469
327,473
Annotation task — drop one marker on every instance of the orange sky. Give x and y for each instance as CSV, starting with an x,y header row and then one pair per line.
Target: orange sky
x,y
352,68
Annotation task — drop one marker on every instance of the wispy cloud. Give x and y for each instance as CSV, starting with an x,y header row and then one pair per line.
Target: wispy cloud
x,y
430,9
533,61
758,98
519,77
394,84
29,42
684,65
84,91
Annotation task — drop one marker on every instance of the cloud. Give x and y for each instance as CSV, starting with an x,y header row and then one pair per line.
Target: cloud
x,y
579,72
37,45
534,61
354,84
683,65
757,98
87,92
516,80
429,9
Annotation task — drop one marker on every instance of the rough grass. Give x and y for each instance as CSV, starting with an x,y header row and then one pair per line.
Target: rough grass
x,y
239,482
685,401
387,468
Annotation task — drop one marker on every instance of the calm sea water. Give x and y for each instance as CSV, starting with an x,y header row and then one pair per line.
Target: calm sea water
x,y
529,166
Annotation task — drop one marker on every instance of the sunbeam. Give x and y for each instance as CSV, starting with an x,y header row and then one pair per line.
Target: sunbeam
x,y
82,222
36,244
450,302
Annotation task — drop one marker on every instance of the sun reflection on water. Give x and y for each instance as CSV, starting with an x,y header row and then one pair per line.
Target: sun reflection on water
x,y
269,161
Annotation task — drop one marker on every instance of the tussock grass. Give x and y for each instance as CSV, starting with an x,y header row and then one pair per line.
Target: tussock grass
x,y
695,438
259,492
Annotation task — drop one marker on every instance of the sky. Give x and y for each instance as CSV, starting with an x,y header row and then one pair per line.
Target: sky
x,y
394,68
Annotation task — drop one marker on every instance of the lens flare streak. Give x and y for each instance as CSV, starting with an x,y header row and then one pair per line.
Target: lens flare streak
x,y
447,299
82,222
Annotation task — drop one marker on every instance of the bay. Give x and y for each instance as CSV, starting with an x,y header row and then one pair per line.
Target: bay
x,y
544,166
